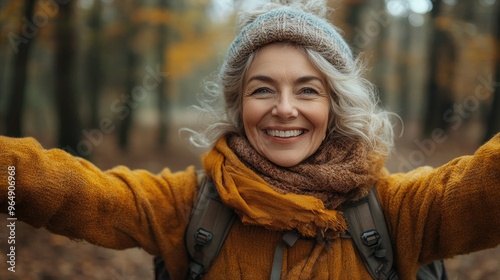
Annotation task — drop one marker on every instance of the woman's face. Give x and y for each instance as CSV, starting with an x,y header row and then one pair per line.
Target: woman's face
x,y
285,105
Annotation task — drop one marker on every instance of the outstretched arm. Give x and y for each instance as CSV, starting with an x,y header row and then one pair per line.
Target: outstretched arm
x,y
118,208
447,211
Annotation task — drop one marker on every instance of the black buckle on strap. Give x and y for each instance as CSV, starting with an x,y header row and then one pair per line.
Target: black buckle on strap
x,y
202,237
370,238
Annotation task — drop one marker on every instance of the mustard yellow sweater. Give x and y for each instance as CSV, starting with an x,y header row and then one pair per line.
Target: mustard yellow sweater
x,y
432,213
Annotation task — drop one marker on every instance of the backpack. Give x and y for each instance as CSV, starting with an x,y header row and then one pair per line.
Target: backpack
x,y
211,221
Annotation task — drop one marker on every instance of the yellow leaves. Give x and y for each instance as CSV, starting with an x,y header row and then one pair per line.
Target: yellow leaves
x,y
196,42
480,49
185,56
154,16
10,16
443,23
13,9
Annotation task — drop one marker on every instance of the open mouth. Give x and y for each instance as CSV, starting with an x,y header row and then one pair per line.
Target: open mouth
x,y
284,133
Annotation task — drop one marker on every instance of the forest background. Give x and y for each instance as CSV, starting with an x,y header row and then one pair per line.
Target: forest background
x,y
113,81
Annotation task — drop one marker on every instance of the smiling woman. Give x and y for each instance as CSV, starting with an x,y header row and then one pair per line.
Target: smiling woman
x,y
354,112
296,138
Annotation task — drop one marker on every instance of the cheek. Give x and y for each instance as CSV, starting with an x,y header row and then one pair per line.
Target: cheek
x,y
250,116
320,118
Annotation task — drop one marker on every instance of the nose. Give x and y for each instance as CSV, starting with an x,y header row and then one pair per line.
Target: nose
x,y
284,107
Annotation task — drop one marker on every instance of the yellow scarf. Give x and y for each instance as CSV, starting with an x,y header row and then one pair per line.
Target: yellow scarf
x,y
258,203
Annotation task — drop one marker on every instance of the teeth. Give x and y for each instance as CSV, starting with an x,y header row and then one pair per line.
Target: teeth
x,y
284,133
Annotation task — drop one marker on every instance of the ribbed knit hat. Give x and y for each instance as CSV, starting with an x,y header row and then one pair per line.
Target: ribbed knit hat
x,y
287,24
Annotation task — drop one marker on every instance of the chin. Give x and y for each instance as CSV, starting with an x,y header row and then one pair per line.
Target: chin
x,y
285,162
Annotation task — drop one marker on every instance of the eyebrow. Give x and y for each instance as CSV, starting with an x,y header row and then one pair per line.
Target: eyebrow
x,y
303,79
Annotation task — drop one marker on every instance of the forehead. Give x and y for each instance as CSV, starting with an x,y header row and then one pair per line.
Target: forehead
x,y
280,59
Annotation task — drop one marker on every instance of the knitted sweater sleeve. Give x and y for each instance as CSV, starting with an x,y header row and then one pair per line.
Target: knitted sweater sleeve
x,y
118,208
437,213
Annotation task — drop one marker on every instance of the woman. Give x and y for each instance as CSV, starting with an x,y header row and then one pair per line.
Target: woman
x,y
300,137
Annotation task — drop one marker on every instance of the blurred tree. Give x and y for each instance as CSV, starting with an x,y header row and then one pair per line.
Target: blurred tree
x,y
130,79
6,7
22,45
68,116
442,60
94,68
404,66
468,8
164,33
354,13
380,56
493,122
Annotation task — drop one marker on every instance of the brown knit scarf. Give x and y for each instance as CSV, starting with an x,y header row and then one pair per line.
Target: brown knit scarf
x,y
341,170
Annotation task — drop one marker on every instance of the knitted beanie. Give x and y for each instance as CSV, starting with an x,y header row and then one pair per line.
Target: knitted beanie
x,y
291,25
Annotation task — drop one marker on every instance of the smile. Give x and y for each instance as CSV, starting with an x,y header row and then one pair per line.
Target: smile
x,y
284,133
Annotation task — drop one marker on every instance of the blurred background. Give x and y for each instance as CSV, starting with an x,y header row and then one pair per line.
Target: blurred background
x,y
113,82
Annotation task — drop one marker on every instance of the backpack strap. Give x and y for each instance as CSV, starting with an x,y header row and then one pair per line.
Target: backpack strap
x,y
289,238
368,230
433,271
209,225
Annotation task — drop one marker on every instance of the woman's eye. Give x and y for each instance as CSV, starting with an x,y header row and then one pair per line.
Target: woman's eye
x,y
309,91
261,91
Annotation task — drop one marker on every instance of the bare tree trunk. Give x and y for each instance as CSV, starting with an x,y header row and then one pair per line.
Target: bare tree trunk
x,y
131,60
380,57
433,102
493,122
404,71
354,15
13,119
441,64
163,87
94,71
468,10
65,89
